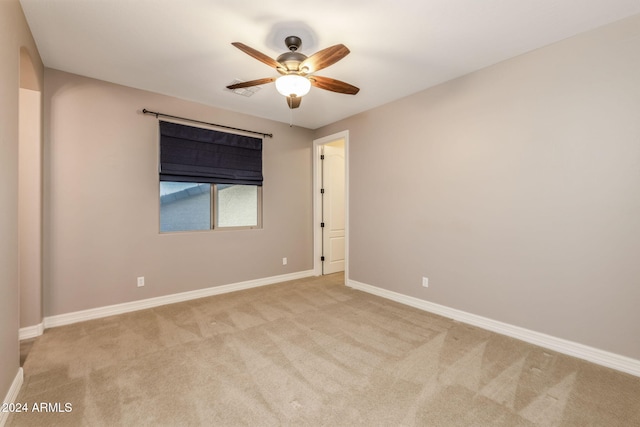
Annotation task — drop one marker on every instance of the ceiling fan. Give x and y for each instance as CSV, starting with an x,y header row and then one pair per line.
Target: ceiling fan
x,y
297,70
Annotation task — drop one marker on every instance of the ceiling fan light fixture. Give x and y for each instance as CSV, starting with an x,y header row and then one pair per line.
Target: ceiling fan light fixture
x,y
293,85
298,71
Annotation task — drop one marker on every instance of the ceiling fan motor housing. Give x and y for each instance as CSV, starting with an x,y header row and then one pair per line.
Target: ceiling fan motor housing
x,y
291,60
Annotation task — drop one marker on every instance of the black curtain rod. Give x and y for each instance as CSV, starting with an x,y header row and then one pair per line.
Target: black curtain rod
x,y
145,111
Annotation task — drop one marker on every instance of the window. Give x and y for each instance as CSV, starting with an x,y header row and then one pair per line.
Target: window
x,y
237,205
185,206
190,206
209,179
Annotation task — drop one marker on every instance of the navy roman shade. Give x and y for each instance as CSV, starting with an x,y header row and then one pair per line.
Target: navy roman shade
x,y
191,154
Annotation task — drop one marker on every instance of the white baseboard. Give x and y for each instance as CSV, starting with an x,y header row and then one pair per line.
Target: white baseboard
x,y
31,331
111,310
12,395
594,355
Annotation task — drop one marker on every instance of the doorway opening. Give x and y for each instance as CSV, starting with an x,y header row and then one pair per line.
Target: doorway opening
x,y
331,204
30,190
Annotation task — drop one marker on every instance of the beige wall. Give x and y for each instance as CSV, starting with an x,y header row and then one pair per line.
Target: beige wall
x,y
515,189
101,201
14,34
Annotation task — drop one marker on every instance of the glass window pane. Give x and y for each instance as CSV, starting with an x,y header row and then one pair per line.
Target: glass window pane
x,y
237,205
185,206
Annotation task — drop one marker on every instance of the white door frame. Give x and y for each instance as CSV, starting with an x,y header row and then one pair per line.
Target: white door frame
x,y
317,204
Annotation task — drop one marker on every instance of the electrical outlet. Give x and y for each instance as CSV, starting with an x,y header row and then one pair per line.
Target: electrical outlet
x,y
140,281
284,261
425,282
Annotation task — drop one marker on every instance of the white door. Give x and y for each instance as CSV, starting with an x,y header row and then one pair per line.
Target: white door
x,y
333,214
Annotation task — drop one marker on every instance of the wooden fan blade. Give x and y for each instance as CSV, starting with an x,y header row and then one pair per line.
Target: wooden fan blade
x,y
251,83
257,55
333,85
294,101
324,58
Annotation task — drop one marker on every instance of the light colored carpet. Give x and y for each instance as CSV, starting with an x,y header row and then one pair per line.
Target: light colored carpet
x,y
310,352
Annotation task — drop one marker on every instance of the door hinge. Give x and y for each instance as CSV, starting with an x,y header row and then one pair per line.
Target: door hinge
x,y
321,156
322,224
321,258
322,191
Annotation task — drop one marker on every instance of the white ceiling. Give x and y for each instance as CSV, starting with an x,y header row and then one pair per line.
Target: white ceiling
x,y
183,48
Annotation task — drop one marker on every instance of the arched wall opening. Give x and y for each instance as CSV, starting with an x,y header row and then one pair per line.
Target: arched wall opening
x,y
30,148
